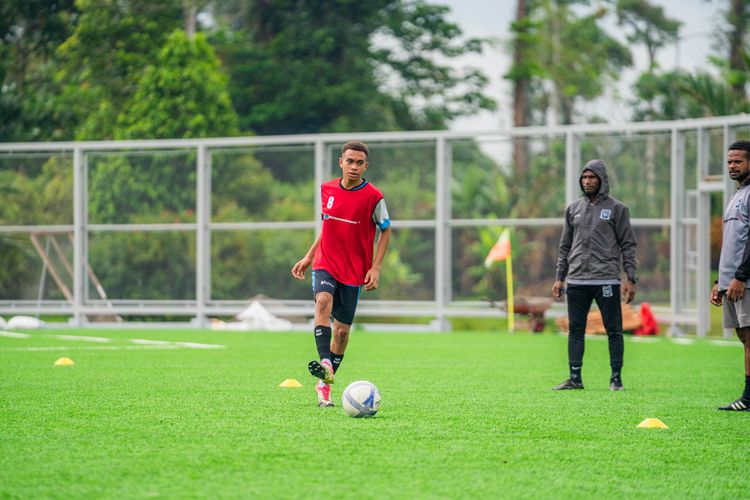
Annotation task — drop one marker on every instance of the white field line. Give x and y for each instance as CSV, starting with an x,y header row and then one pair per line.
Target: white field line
x,y
101,340
150,342
188,345
682,341
14,335
193,345
645,340
93,348
725,343
141,343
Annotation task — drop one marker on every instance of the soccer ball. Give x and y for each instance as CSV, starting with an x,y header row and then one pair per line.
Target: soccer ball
x,y
361,399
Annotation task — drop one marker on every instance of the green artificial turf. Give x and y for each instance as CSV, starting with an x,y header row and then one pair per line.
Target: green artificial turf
x,y
464,415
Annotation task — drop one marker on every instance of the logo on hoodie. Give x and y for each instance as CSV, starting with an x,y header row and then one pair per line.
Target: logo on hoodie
x,y
605,214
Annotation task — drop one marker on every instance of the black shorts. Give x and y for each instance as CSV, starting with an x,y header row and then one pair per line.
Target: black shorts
x,y
345,297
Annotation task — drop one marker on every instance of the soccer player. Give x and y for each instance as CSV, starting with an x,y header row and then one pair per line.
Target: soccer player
x,y
734,262
342,259
596,237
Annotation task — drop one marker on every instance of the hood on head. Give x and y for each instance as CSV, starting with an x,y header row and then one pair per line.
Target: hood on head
x,y
600,170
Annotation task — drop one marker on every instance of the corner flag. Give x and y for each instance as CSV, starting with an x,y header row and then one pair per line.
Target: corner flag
x,y
501,251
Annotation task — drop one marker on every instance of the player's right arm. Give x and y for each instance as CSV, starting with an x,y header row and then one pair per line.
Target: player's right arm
x,y
566,241
298,270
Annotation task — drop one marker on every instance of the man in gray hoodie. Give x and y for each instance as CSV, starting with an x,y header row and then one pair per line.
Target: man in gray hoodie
x,y
734,262
597,242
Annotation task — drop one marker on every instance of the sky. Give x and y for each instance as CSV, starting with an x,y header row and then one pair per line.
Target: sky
x,y
491,18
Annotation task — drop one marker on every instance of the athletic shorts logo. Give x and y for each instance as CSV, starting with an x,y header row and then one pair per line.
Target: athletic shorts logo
x,y
607,290
605,214
324,282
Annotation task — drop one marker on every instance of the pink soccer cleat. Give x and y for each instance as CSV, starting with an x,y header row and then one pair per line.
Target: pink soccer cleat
x,y
324,394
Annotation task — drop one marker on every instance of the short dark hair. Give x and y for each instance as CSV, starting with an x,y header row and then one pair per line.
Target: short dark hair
x,y
359,146
741,146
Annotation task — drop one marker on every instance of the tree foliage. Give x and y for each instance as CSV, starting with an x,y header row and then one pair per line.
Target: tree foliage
x,y
311,66
102,61
569,58
648,25
182,94
30,32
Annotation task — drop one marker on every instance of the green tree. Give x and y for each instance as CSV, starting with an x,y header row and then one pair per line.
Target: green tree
x,y
658,98
568,58
30,32
714,96
648,25
182,94
312,66
102,61
738,17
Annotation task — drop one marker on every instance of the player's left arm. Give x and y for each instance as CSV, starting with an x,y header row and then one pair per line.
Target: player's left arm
x,y
372,278
736,289
383,221
628,247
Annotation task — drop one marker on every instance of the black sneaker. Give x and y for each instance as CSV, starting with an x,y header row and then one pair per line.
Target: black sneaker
x,y
738,405
568,384
323,371
616,385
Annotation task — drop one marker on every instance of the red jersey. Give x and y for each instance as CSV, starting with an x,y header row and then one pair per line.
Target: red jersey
x,y
350,217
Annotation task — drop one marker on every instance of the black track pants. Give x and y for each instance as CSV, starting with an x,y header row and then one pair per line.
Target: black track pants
x,y
579,302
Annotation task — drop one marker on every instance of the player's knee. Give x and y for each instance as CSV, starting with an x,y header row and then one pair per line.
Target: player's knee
x,y
323,301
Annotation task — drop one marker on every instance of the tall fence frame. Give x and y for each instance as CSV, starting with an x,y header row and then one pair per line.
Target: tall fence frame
x,y
688,223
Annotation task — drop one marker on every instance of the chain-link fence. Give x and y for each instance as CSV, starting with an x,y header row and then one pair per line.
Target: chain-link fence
x,y
194,228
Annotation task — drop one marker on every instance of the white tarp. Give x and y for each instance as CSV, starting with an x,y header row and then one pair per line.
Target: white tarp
x,y
254,317
24,323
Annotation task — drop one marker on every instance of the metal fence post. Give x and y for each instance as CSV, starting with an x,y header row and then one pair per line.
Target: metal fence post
x,y
442,253
572,165
676,247
321,171
202,235
703,235
80,235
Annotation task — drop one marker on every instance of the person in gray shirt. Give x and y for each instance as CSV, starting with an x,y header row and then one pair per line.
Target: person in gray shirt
x,y
596,243
734,262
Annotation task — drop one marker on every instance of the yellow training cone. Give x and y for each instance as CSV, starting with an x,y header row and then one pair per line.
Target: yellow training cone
x,y
652,423
290,382
64,362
